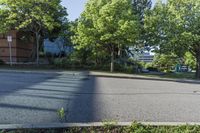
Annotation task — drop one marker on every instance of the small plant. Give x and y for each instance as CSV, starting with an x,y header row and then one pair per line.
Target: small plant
x,y
109,124
61,113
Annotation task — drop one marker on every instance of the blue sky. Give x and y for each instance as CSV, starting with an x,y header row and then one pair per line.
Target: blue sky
x,y
75,7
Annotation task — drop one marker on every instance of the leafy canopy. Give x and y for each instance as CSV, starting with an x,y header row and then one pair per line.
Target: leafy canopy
x,y
107,23
31,15
175,26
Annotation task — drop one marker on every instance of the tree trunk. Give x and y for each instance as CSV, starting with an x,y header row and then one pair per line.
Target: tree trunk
x,y
198,66
119,51
112,61
37,47
33,53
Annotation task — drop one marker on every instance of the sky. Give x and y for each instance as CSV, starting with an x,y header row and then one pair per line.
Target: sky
x,y
76,7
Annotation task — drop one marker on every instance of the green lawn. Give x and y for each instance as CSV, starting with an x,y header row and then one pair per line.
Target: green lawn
x,y
189,75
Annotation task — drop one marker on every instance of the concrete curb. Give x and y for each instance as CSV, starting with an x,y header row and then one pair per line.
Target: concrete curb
x,y
92,124
148,78
27,71
38,71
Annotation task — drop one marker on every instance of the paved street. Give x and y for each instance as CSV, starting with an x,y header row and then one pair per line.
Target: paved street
x,y
37,97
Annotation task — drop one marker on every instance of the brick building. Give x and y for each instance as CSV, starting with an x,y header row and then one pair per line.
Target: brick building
x,y
22,45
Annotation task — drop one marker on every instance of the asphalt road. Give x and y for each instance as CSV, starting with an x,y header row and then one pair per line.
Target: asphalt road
x,y
36,98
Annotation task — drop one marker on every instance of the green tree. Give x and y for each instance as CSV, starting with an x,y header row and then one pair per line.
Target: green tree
x,y
165,62
36,16
190,60
174,27
107,25
141,7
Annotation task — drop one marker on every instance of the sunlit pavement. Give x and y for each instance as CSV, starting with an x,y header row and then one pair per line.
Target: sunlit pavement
x,y
38,97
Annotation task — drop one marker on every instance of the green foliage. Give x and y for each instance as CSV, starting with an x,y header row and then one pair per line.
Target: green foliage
x,y
67,63
174,27
134,128
142,64
40,17
106,25
137,128
147,65
190,60
157,27
165,62
61,113
108,125
124,68
32,15
140,7
2,62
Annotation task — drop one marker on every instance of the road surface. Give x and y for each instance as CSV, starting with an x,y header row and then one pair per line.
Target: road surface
x,y
35,98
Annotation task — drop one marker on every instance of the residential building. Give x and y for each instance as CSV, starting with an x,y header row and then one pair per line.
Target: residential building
x,y
21,47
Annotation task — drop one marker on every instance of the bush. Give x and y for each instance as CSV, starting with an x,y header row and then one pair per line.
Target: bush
x,y
125,68
149,65
142,64
165,62
152,69
50,57
58,62
2,62
66,63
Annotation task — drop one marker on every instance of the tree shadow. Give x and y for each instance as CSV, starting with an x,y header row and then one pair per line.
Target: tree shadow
x,y
36,98
82,108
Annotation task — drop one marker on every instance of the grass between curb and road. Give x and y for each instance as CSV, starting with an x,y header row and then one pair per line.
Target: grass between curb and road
x,y
107,127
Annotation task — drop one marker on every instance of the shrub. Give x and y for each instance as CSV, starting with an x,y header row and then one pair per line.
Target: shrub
x,y
58,62
65,63
2,62
152,69
149,65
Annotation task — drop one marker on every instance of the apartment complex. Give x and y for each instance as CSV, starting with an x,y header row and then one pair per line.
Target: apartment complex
x,y
22,45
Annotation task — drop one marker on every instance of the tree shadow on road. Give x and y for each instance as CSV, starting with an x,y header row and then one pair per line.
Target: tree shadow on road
x,y
36,98
82,107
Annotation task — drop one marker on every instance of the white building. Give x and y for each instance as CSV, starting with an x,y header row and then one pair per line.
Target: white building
x,y
146,57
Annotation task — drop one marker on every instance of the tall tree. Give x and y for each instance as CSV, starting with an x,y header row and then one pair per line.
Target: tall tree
x,y
175,26
107,25
36,16
140,7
